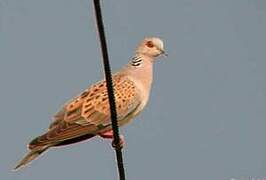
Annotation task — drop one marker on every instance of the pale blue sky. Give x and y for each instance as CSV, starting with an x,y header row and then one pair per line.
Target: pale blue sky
x,y
206,118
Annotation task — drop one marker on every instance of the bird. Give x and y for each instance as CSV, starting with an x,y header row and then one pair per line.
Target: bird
x,y
88,114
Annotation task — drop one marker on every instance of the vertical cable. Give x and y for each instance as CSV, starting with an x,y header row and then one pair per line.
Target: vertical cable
x,y
109,84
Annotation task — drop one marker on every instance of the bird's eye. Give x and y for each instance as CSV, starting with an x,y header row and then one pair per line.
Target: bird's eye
x,y
150,44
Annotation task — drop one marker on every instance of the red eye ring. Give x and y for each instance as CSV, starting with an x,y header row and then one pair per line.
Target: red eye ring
x,y
149,44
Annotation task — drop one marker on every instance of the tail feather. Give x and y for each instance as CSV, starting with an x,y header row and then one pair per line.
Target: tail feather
x,y
34,153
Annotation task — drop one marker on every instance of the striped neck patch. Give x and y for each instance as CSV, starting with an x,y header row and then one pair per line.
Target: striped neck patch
x,y
136,61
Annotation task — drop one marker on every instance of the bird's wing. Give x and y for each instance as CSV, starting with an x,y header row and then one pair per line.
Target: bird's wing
x,y
89,113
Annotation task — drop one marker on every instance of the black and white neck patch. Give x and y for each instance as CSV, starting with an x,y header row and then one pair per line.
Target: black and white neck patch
x,y
136,61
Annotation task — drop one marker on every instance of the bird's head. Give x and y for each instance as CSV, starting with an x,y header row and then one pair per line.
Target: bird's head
x,y
151,47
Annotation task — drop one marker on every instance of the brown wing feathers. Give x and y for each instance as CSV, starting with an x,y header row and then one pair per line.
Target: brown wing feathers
x,y
62,132
88,113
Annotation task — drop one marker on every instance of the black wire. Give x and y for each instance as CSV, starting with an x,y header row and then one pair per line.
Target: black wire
x,y
109,84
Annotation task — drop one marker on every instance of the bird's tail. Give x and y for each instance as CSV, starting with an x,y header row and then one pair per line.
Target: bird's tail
x,y
34,153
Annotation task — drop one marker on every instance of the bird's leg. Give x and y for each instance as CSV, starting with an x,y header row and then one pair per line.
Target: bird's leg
x,y
110,135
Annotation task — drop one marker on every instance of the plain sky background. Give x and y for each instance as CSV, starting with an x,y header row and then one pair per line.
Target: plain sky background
x,y
206,119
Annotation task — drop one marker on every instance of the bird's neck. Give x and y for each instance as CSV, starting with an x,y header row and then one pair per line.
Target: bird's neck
x,y
140,68
140,59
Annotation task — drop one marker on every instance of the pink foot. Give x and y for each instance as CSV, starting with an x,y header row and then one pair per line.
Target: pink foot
x,y
110,135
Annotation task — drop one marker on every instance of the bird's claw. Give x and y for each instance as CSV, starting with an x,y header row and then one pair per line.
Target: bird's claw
x,y
121,143
110,135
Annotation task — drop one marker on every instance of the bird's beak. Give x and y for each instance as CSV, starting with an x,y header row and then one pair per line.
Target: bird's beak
x,y
164,53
